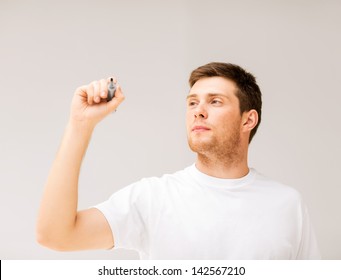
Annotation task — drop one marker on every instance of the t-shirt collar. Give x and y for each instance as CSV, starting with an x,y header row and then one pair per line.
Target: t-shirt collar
x,y
208,180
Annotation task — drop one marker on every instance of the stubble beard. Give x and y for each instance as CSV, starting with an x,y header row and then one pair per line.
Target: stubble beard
x,y
210,150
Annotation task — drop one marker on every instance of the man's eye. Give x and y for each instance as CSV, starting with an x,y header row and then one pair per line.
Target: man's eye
x,y
216,101
191,103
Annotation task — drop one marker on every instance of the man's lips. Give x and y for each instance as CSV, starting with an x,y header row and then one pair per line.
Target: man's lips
x,y
199,128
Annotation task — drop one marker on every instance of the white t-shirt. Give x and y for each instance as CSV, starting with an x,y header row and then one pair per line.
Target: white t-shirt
x,y
190,215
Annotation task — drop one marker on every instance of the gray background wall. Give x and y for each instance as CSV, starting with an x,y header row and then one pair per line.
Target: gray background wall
x,y
48,48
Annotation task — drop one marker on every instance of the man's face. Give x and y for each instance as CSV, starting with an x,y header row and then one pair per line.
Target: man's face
x,y
213,117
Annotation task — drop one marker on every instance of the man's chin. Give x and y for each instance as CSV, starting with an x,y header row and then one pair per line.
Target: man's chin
x,y
200,146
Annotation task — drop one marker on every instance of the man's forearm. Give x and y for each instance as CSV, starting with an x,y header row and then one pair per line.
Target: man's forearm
x,y
58,211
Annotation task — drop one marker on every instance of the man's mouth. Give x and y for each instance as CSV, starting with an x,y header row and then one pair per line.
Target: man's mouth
x,y
200,128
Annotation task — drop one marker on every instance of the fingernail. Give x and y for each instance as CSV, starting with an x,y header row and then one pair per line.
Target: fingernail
x,y
103,94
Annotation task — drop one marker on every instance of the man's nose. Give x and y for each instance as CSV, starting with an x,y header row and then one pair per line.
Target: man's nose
x,y
200,112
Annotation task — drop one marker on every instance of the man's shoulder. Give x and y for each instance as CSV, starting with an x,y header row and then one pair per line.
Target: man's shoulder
x,y
276,187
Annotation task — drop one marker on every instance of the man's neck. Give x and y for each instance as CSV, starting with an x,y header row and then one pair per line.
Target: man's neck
x,y
222,168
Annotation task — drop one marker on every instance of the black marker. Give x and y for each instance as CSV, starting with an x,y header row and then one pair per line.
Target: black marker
x,y
111,90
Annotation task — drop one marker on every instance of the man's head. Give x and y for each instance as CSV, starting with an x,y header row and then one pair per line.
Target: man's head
x,y
226,101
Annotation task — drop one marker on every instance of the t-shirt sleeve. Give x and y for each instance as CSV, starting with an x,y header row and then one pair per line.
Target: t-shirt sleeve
x,y
127,214
308,248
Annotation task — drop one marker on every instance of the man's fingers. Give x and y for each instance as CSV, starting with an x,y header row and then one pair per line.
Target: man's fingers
x,y
97,91
90,93
97,87
103,88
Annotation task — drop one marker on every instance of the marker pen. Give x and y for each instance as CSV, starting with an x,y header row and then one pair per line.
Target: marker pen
x,y
111,90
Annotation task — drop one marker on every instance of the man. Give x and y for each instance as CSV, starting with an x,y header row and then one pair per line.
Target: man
x,y
217,208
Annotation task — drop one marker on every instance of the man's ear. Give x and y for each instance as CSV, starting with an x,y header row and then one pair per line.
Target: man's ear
x,y
250,120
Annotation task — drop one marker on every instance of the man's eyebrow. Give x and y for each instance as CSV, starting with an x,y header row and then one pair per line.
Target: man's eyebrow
x,y
191,96
209,94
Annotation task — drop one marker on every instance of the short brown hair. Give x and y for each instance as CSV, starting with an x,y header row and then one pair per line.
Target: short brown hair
x,y
248,93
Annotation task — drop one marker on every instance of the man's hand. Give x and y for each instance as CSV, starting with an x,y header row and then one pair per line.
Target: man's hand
x,y
89,104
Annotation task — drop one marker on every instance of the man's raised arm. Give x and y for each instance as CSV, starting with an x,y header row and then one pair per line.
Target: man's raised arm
x,y
60,225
